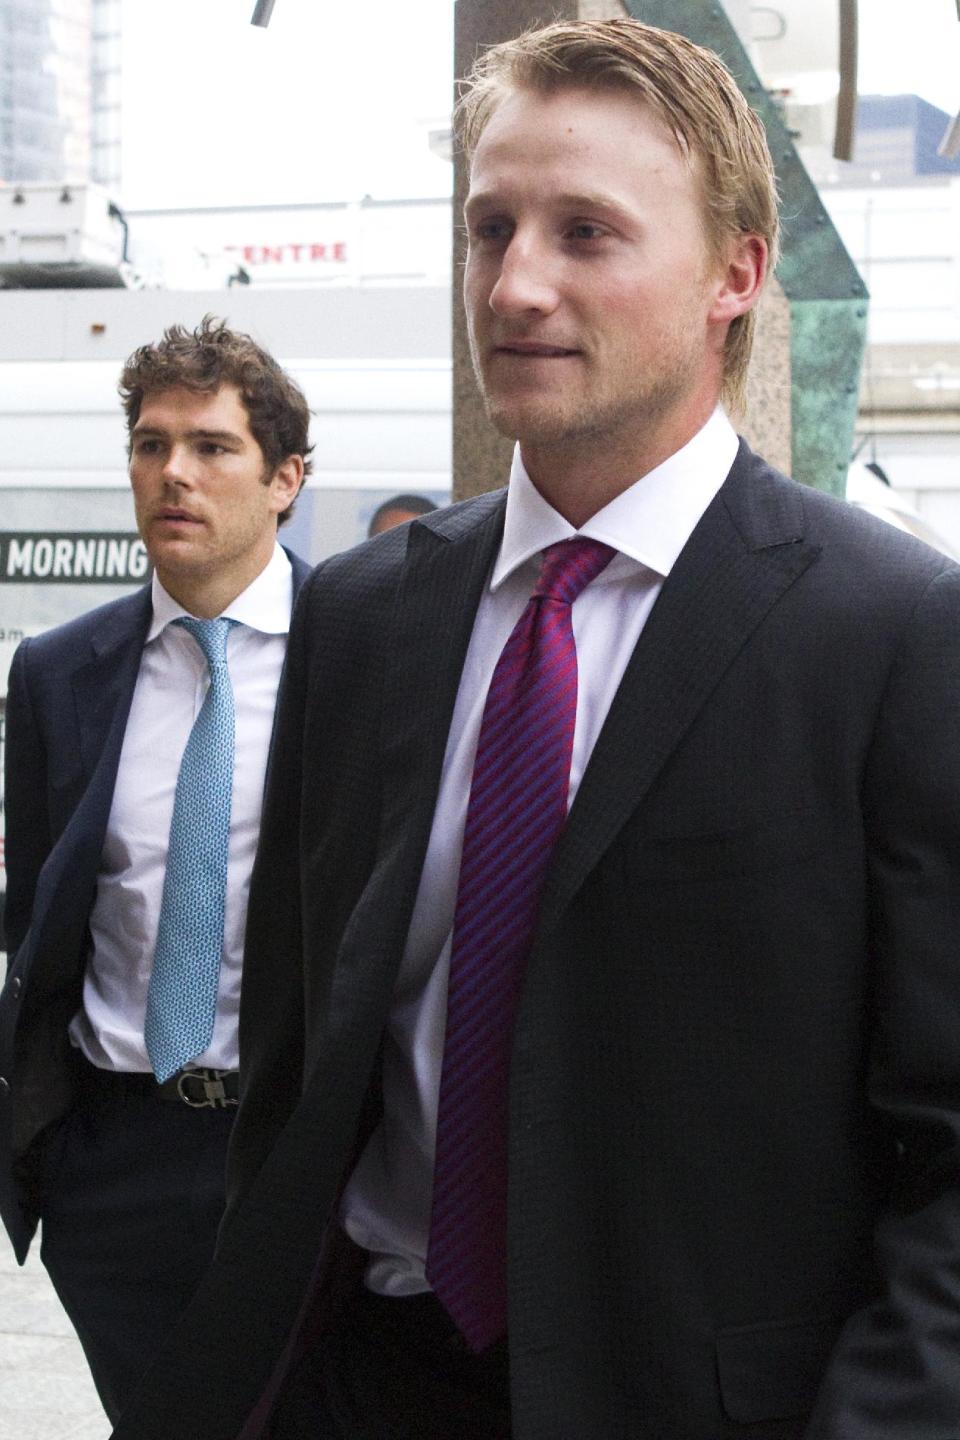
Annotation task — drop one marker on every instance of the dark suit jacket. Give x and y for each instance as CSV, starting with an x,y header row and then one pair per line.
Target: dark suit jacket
x,y
67,706
734,1201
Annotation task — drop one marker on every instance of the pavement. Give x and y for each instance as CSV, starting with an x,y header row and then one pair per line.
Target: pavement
x,y
45,1390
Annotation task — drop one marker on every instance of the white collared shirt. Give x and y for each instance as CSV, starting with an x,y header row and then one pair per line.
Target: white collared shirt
x,y
170,689
386,1204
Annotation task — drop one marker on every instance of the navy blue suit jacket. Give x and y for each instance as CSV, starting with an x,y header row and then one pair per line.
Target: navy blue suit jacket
x,y
69,696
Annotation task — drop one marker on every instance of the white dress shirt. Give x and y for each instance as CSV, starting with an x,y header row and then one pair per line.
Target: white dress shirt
x,y
170,689
386,1204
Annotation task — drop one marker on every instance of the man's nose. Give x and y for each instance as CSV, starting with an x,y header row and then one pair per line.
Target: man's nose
x,y
176,467
526,281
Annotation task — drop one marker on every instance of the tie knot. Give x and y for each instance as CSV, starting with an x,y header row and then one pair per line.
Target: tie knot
x,y
569,566
210,635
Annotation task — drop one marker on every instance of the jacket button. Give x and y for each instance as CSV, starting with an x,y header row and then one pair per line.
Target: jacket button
x,y
4,1085
15,986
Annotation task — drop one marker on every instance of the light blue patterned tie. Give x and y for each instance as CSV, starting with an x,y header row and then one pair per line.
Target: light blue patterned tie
x,y
182,996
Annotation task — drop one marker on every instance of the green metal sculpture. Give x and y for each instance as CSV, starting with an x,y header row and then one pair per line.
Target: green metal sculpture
x,y
826,294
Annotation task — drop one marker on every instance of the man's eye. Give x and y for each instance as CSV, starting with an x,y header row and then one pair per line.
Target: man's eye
x,y
210,447
491,231
585,230
147,447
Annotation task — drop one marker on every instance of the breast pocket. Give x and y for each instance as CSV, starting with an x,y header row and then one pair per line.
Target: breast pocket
x,y
765,845
773,1372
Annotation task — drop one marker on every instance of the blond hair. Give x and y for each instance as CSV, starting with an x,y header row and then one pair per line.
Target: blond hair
x,y
689,89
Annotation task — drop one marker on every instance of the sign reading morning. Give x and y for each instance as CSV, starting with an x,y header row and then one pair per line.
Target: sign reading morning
x,y
86,557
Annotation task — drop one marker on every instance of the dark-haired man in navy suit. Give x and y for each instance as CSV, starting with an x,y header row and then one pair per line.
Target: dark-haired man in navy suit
x,y
115,1146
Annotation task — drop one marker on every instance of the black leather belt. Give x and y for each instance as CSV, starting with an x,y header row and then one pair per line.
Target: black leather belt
x,y
200,1089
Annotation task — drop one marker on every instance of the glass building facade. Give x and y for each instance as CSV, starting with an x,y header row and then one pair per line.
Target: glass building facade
x,y
60,91
105,60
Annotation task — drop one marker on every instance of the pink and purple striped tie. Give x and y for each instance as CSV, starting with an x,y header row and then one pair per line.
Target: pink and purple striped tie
x,y
517,808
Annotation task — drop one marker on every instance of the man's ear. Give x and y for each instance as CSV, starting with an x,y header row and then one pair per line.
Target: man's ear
x,y
285,483
742,278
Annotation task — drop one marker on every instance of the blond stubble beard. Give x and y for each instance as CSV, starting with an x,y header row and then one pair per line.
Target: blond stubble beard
x,y
640,410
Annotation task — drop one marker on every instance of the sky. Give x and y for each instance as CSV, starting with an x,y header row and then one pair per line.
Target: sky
x,y
333,101
911,47
330,102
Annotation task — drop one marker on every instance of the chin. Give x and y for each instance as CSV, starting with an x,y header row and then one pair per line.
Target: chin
x,y
533,424
504,423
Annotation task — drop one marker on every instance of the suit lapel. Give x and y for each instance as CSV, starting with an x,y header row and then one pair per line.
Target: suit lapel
x,y
449,556
746,552
103,684
102,687
299,570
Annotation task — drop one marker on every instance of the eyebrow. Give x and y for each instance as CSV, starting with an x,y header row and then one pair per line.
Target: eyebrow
x,y
583,200
219,437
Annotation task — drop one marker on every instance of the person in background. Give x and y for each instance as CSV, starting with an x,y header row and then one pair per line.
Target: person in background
x,y
602,997
137,740
396,511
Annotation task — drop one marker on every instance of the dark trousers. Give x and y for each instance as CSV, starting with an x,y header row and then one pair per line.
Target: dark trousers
x,y
132,1192
394,1369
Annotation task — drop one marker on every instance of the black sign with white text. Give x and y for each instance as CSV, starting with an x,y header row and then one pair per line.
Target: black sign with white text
x,y
75,558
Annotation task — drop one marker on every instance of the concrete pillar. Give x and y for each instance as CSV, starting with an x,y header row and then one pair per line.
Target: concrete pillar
x,y
767,423
481,456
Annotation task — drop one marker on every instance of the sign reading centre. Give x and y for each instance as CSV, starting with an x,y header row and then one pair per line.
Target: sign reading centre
x,y
309,252
79,557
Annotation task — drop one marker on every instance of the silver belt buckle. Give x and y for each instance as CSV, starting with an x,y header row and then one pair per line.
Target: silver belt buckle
x,y
215,1093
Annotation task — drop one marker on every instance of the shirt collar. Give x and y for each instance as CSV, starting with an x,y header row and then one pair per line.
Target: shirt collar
x,y
265,604
650,522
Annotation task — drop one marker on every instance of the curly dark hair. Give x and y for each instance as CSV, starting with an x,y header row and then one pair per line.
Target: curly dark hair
x,y
213,355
